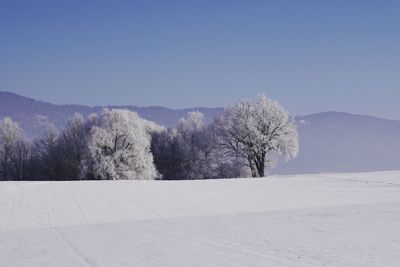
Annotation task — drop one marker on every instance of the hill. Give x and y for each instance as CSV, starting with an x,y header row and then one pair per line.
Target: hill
x,y
329,141
343,142
34,115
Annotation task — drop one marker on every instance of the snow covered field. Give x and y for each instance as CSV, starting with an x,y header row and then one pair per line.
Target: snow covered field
x,y
303,220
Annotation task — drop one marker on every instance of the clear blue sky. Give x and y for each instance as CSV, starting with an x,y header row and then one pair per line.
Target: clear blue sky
x,y
309,55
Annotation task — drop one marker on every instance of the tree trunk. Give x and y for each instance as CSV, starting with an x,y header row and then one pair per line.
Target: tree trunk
x,y
260,169
21,169
252,168
260,164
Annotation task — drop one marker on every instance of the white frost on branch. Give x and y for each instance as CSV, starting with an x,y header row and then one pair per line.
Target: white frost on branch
x,y
119,146
252,130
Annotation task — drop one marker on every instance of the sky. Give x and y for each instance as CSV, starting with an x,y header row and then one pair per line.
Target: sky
x,y
311,56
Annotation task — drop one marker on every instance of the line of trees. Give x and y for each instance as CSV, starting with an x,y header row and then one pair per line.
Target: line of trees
x,y
118,144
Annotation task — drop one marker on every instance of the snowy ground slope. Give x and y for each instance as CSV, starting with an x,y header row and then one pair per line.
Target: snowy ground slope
x,y
303,220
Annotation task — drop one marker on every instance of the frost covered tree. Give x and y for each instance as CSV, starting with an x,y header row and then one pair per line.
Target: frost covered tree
x,y
8,132
119,147
253,130
152,127
14,150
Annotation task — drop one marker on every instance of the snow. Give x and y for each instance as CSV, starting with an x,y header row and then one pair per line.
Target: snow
x,y
344,219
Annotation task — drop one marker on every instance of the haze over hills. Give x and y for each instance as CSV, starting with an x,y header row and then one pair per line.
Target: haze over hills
x,y
329,141
343,142
34,115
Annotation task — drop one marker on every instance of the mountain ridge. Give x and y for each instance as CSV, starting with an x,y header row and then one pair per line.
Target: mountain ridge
x,y
21,98
29,112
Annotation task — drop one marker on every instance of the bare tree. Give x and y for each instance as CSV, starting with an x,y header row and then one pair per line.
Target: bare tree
x,y
46,160
73,147
186,151
169,155
21,155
